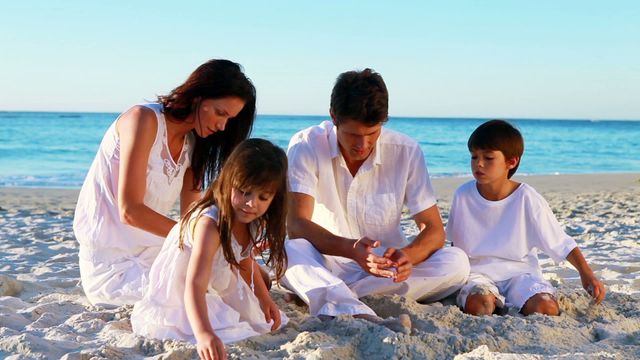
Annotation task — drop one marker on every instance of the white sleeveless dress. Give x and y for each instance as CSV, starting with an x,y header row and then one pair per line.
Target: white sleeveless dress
x,y
114,257
234,310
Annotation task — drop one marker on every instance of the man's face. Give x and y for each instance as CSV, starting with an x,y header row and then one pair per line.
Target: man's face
x,y
357,140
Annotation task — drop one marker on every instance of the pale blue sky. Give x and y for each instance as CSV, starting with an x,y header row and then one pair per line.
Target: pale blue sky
x,y
536,59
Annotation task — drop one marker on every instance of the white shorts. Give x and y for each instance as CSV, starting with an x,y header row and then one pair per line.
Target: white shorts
x,y
512,292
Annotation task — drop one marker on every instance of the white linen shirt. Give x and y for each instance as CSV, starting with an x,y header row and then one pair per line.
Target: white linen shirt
x,y
370,203
502,238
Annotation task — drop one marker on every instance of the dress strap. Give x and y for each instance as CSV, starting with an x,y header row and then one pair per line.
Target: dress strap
x,y
170,167
162,127
253,288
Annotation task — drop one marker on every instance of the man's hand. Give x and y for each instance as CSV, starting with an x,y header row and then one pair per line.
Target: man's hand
x,y
370,262
401,262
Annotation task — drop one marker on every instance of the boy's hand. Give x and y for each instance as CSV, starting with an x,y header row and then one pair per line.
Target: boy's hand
x,y
271,312
401,262
370,262
210,347
594,287
590,282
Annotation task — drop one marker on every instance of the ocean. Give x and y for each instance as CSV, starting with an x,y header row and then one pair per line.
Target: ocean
x,y
55,149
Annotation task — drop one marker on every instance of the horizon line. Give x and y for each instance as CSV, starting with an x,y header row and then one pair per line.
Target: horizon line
x,y
390,116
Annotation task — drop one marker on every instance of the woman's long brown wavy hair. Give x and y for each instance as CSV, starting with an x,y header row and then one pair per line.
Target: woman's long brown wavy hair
x,y
214,79
254,165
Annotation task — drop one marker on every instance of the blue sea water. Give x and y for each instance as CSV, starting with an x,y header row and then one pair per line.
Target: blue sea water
x,y
53,149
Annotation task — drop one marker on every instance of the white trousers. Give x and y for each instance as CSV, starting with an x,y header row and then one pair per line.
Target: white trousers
x,y
331,285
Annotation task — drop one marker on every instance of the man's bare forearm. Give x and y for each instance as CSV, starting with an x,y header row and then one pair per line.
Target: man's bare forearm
x,y
425,244
326,242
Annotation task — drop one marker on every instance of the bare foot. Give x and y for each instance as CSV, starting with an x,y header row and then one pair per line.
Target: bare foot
x,y
401,324
324,318
294,298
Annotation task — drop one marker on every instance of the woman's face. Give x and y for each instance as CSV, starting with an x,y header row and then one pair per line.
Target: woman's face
x,y
213,114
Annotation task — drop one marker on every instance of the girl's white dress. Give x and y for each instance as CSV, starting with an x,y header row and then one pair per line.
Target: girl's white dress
x,y
234,311
114,257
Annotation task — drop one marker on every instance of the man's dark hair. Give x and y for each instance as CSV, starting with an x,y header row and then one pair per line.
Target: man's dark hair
x,y
361,96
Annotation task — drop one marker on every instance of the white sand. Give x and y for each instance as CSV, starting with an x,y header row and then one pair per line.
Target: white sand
x,y
44,314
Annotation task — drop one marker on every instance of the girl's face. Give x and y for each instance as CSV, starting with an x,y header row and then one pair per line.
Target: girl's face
x,y
250,204
213,114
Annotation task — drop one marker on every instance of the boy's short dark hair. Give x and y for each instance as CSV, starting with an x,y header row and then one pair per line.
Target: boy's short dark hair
x,y
362,96
498,135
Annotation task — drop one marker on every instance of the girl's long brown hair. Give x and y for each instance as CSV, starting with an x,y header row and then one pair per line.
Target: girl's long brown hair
x,y
254,165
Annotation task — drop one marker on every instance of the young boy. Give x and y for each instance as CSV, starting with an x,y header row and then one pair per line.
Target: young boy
x,y
501,224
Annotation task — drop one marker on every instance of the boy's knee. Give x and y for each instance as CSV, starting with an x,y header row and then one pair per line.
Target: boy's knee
x,y
478,304
543,304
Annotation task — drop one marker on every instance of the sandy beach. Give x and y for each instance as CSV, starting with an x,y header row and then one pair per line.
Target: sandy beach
x,y
45,315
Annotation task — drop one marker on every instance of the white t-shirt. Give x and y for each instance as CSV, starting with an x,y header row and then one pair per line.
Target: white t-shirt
x,y
502,237
369,204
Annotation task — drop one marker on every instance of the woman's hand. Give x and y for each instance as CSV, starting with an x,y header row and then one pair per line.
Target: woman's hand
x,y
271,312
210,347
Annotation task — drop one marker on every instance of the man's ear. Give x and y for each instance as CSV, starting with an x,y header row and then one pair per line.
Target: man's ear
x,y
333,117
513,162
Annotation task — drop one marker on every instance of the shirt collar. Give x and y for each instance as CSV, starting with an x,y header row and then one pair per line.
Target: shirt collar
x,y
333,142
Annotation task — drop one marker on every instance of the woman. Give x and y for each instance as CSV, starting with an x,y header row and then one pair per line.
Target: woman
x,y
151,155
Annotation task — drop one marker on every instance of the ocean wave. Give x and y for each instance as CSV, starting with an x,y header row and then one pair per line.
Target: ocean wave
x,y
66,181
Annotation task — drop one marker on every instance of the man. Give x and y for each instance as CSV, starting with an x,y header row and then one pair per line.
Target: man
x,y
349,180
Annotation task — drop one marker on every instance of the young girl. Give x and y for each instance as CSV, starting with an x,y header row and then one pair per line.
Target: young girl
x,y
204,286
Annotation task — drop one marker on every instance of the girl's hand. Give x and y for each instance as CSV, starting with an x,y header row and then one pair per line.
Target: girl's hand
x,y
594,287
210,347
271,312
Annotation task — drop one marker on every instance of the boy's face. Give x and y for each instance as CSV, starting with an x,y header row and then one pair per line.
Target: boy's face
x,y
489,166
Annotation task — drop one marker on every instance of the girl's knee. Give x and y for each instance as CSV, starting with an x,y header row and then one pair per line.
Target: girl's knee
x,y
478,304
543,304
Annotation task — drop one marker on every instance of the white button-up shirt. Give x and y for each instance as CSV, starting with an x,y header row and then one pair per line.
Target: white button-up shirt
x,y
368,204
